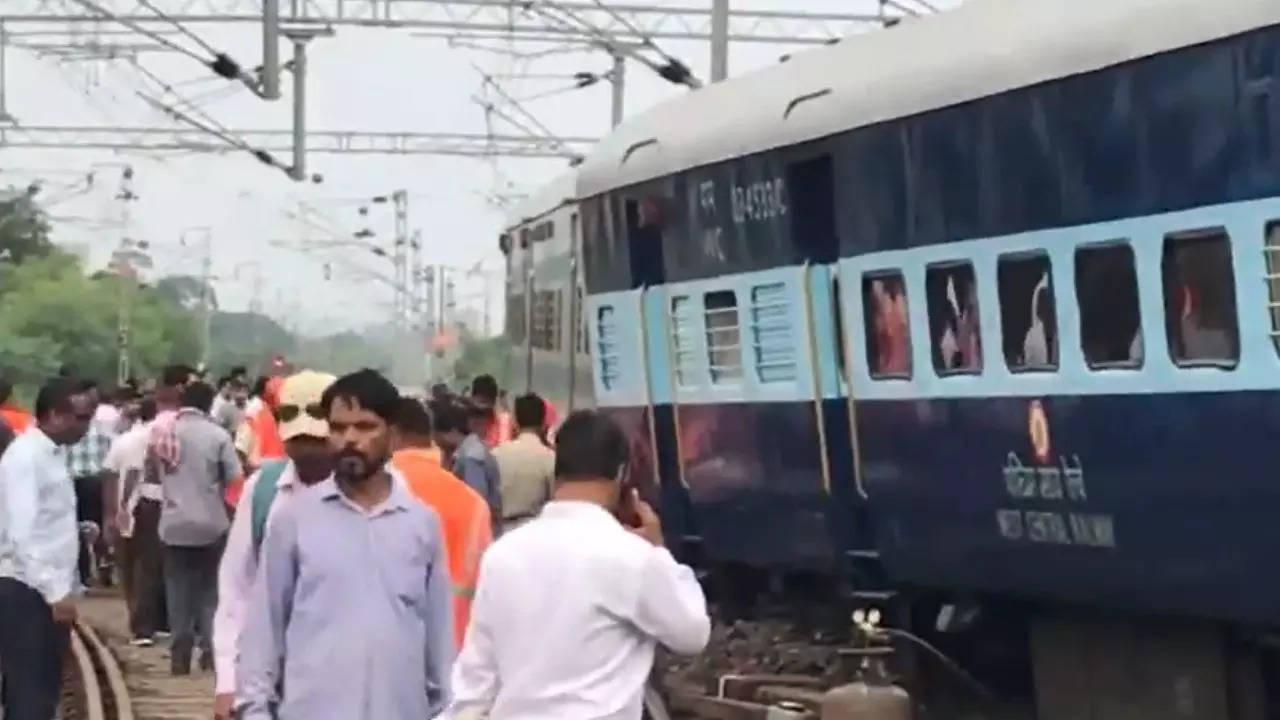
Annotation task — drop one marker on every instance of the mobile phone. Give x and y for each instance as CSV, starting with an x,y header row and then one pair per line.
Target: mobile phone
x,y
626,511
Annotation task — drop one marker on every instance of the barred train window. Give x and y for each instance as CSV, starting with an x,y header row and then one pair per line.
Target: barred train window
x,y
607,334
771,339
580,343
1271,251
1200,298
516,319
887,324
724,336
545,326
951,295
1028,317
683,340
1107,293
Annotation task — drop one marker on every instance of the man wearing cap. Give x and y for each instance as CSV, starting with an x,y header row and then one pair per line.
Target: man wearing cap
x,y
308,461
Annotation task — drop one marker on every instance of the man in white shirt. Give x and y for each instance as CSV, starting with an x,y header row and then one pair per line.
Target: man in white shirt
x,y
571,605
39,547
134,514
306,436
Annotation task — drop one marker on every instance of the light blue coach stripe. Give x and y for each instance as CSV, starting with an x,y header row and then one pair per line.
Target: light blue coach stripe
x,y
629,388
1258,368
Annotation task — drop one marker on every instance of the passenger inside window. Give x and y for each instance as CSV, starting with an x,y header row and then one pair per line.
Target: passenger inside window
x,y
953,318
888,329
1200,298
1107,292
1027,314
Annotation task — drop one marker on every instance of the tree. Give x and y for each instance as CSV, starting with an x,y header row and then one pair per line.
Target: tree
x,y
53,314
24,230
248,339
186,291
483,356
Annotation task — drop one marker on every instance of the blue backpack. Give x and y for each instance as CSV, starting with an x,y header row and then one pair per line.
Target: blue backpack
x,y
264,494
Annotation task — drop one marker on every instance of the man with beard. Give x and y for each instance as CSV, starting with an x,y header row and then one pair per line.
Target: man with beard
x,y
276,484
350,613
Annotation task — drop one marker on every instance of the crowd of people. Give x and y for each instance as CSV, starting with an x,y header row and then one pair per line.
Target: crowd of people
x,y
329,548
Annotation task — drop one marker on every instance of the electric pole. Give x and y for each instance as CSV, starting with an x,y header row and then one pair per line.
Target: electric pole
x,y
618,77
400,258
123,261
719,40
206,289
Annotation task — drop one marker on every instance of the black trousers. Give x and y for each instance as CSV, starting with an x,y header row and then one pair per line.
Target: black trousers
x,y
89,508
191,591
142,572
31,650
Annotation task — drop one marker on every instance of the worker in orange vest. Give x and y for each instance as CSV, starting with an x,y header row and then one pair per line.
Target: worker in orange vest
x,y
464,513
15,417
258,439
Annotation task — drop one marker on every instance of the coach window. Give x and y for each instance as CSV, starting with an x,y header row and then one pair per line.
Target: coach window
x,y
684,341
952,299
1028,316
1271,252
1200,298
1107,292
607,334
724,336
888,329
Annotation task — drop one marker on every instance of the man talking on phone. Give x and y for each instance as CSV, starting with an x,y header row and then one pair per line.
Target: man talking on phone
x,y
571,605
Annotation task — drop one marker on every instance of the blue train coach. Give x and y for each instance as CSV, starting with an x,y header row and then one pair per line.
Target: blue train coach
x,y
989,300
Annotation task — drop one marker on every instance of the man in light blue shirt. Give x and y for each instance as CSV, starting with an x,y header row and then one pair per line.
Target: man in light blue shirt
x,y
351,612
39,545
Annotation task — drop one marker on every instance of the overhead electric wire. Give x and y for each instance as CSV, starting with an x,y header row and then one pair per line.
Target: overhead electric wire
x,y
674,70
220,63
222,134
179,27
544,132
138,28
191,106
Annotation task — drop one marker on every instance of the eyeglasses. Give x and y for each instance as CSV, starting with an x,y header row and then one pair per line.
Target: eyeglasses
x,y
289,413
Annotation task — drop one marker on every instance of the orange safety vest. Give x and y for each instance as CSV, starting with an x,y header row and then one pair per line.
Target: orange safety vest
x,y
267,444
464,519
16,418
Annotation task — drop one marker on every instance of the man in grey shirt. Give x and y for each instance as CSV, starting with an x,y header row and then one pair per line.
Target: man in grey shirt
x,y
351,613
194,524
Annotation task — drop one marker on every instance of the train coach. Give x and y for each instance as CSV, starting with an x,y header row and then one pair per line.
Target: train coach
x,y
987,302
548,349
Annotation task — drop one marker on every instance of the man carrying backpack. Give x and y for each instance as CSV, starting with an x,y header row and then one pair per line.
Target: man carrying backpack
x,y
305,434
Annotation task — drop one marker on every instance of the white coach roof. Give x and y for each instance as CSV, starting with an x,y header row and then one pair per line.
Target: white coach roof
x,y
546,198
981,48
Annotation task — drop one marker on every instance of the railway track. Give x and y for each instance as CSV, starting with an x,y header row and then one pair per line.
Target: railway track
x,y
93,686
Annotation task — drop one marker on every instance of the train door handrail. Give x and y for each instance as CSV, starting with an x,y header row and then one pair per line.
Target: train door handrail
x,y
667,332
575,326
850,403
819,414
650,421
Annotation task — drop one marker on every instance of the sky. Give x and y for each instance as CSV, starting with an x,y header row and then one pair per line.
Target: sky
x,y
362,79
